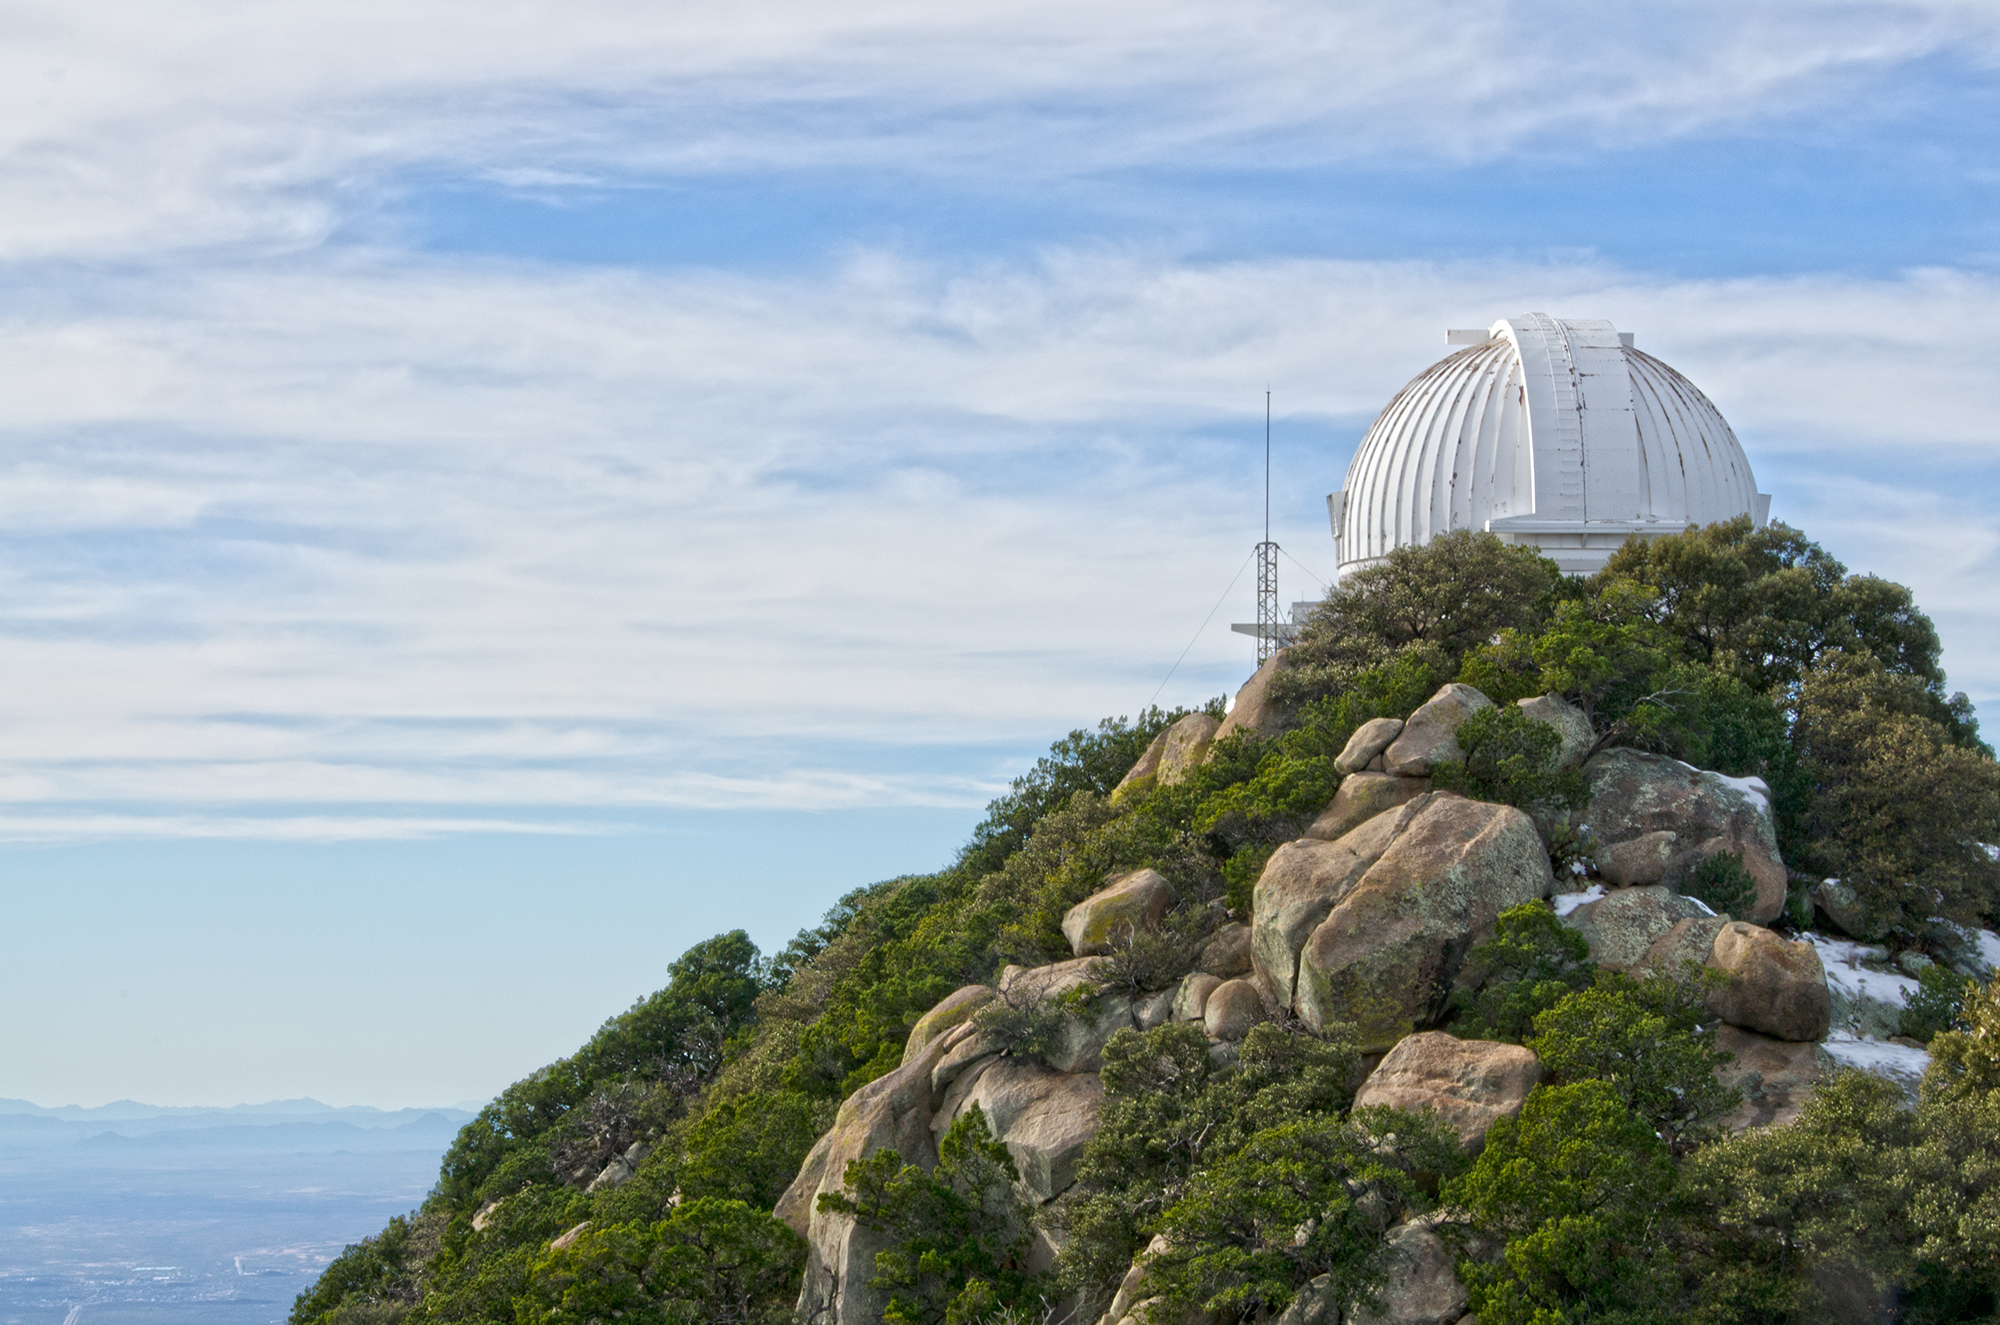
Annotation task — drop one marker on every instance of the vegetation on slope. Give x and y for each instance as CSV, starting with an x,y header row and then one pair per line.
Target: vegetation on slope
x,y
1611,1198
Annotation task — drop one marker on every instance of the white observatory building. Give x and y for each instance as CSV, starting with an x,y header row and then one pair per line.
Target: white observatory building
x,y
1549,431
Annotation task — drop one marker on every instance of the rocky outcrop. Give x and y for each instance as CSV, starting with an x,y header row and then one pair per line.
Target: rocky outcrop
x,y
892,1112
956,1010
1227,952
1318,1303
1298,889
1171,756
1633,794
1841,906
1471,1083
1688,943
1775,1076
1639,862
1035,984
1253,712
1571,727
1387,953
1623,925
1191,996
1775,987
1361,797
1363,748
1431,735
1043,1117
1421,1285
1121,908
1080,1047
1231,1010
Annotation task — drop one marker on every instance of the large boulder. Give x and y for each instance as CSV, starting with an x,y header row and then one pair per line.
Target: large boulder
x,y
956,1010
1774,986
1431,735
1043,1117
1126,905
1227,952
1633,794
1171,756
1299,886
1421,1285
1080,1046
1471,1083
1191,996
1318,1303
1231,1010
1841,905
1361,797
1775,1076
1034,984
1571,727
1363,748
1621,926
1253,711
892,1112
1386,955
1638,862
1687,944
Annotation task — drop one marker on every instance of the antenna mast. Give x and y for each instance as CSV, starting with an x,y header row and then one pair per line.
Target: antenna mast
x,y
1267,562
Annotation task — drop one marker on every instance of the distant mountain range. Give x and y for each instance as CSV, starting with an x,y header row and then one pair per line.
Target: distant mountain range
x,y
301,1124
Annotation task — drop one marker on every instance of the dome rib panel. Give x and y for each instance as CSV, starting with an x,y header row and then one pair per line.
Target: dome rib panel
x,y
1455,448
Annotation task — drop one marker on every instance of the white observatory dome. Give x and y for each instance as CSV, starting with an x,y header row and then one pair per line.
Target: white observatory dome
x,y
1548,431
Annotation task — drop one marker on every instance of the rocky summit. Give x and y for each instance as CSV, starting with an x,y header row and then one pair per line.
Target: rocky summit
x,y
1512,948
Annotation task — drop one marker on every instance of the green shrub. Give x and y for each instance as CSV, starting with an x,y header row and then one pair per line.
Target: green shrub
x,y
1295,1202
1510,759
1723,885
1644,1042
1938,1004
958,1234
1574,1189
1532,962
710,1262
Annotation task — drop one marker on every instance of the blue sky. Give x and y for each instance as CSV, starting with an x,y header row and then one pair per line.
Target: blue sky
x,y
493,497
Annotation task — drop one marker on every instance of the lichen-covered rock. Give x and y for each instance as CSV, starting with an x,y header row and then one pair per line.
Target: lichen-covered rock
x,y
1171,756
1622,925
1471,1083
1227,952
1252,712
1386,955
1421,1285
1633,794
1637,863
1150,1010
1688,943
1841,905
1370,739
1231,1010
1776,987
1360,798
1034,984
1299,887
1431,735
1123,907
1080,1047
1571,727
1775,1076
892,1112
955,1010
1043,1117
1191,997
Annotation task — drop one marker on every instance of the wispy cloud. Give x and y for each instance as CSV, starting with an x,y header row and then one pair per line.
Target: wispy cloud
x,y
354,533
129,127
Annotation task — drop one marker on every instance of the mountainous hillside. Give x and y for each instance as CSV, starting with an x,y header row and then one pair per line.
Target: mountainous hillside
x,y
1505,950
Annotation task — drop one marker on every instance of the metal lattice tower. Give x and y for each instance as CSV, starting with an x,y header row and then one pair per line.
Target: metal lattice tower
x,y
1268,622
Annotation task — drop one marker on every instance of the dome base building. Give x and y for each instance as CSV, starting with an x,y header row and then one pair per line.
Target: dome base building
x,y
1553,432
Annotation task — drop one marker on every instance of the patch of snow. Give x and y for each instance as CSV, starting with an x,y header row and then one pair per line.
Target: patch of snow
x,y
1845,974
1992,852
1754,789
1564,903
1703,905
1989,946
1899,1062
